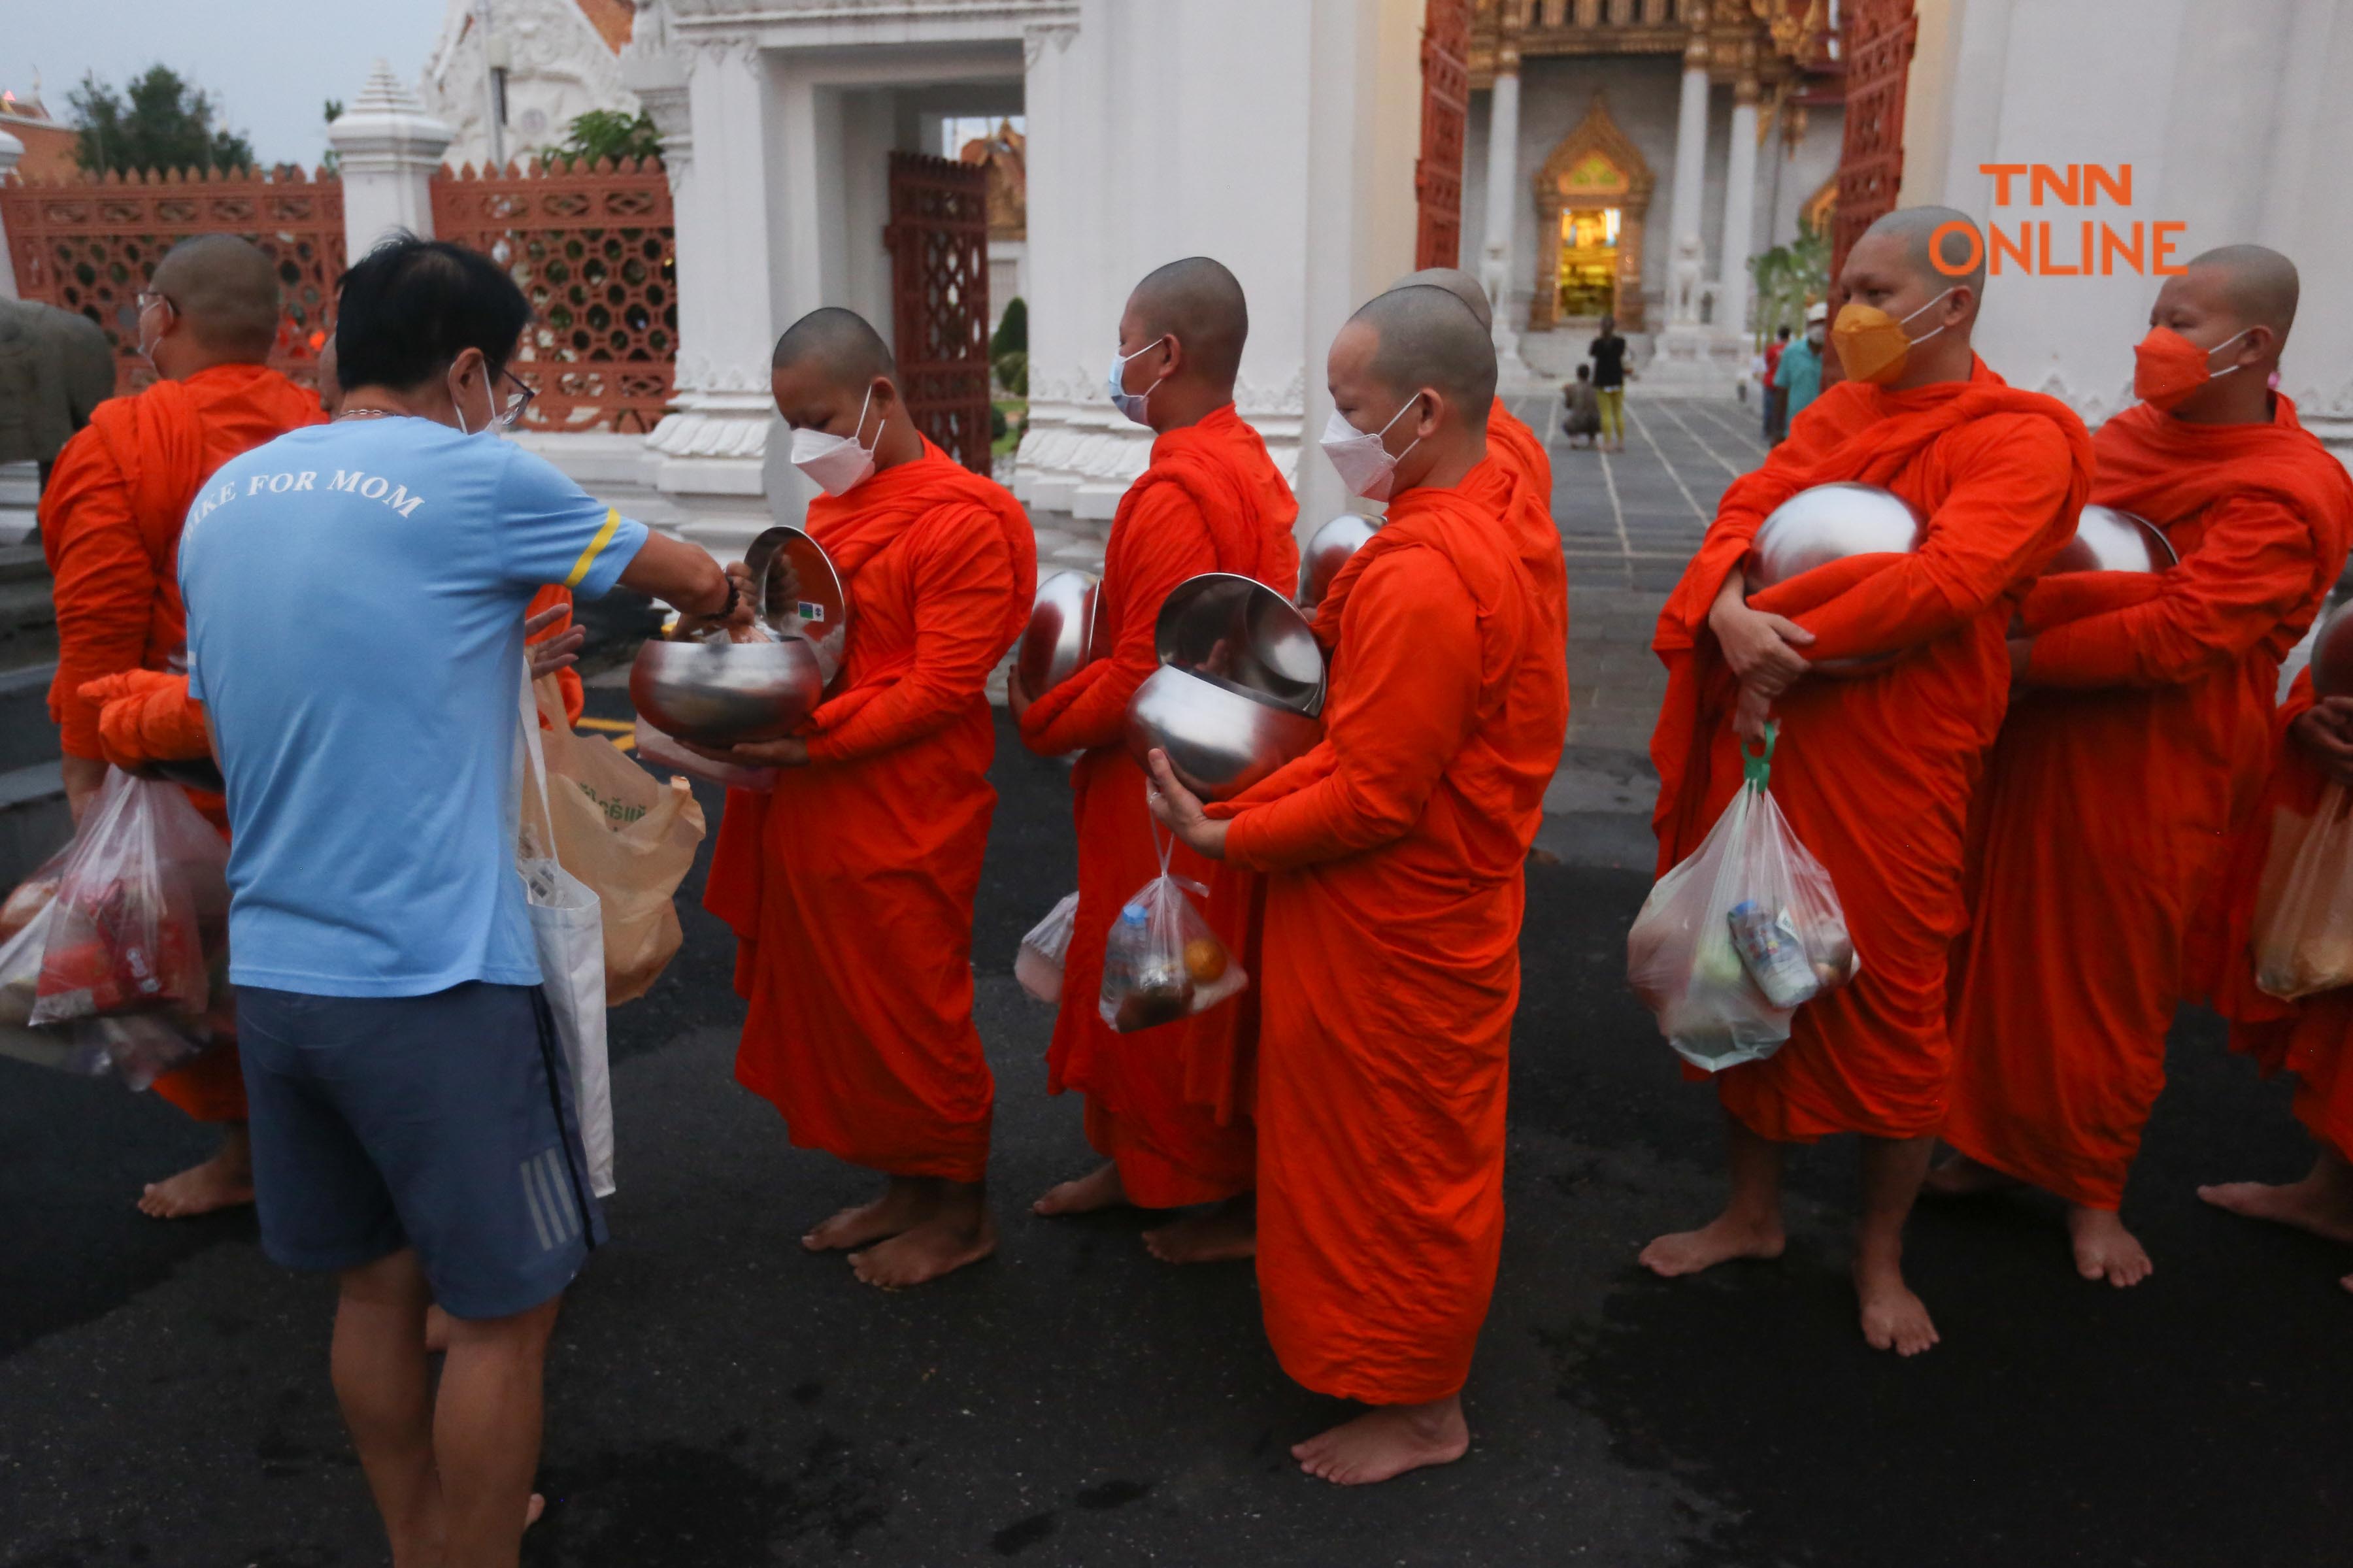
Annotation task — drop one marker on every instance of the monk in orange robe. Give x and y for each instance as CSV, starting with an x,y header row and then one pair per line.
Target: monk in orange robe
x,y
1874,772
1210,501
2313,1037
2082,904
111,528
1393,853
851,888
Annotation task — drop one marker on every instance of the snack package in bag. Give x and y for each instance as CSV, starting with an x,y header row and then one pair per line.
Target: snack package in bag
x,y
1736,938
2303,938
142,901
1161,960
137,1048
1038,963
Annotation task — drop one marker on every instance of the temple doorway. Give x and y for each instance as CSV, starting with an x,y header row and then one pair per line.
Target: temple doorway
x,y
1593,196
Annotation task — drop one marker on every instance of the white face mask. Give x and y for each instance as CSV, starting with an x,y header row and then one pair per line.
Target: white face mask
x,y
837,463
490,420
1365,466
1129,403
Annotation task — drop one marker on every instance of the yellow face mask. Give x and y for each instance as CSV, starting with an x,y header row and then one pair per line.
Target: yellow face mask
x,y
1872,344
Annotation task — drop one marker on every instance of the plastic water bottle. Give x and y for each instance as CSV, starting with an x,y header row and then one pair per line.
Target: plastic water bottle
x,y
1123,951
1773,955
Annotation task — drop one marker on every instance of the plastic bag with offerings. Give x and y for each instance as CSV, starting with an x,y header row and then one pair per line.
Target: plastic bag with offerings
x,y
1736,938
32,894
138,1047
142,903
1161,959
1037,964
2303,938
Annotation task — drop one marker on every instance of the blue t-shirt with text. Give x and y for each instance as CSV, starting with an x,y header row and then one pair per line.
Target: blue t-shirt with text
x,y
355,596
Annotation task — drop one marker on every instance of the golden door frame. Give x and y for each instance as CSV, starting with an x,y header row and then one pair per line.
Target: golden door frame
x,y
1597,132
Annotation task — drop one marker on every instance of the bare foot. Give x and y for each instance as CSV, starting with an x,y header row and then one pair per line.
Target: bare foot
x,y
941,1245
1098,1189
1962,1177
1894,1319
2321,1202
2105,1249
1386,1442
903,1205
1722,1239
223,1181
1226,1234
436,1329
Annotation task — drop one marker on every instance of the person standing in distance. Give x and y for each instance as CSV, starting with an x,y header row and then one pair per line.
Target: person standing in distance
x,y
1609,356
414,1130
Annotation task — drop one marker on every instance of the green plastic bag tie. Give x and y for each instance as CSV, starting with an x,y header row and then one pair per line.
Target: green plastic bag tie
x,y
1758,768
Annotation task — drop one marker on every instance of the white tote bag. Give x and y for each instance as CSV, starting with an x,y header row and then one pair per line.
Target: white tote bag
x,y
568,927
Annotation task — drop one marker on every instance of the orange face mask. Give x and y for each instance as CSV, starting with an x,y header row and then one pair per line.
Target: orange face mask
x,y
2168,367
1872,344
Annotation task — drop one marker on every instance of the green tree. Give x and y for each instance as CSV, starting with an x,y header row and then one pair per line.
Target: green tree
x,y
1790,278
608,133
333,162
159,121
1009,350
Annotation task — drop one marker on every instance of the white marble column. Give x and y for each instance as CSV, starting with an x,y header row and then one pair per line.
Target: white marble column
x,y
1739,214
1691,176
10,151
708,452
1502,202
387,149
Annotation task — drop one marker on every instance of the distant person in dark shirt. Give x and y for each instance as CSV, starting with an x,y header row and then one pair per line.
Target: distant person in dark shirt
x,y
1609,356
1776,402
1581,421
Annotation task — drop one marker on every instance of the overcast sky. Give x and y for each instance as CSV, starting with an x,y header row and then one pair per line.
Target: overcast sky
x,y
267,64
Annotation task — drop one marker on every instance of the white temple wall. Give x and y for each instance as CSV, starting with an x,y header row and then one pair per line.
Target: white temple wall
x,y
559,68
2228,118
1803,169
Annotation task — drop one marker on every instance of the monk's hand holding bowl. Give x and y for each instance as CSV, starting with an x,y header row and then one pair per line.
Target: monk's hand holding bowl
x,y
789,753
1761,647
1016,696
1178,810
2324,730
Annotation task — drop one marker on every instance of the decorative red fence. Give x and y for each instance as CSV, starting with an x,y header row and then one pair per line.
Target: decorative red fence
x,y
1445,111
593,249
1880,36
91,245
938,241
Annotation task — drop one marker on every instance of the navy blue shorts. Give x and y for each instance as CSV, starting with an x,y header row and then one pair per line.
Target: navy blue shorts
x,y
442,1122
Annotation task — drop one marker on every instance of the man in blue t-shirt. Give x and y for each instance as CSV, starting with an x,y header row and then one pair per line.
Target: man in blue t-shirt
x,y
355,595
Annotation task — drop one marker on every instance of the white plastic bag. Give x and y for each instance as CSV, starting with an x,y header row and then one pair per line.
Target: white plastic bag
x,y
1161,960
1037,964
568,928
137,1048
141,911
1750,911
2303,937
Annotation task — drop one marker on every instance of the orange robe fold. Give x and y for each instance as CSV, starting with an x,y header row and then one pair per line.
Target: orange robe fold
x,y
2082,898
1394,854
110,519
851,888
2313,1037
1874,773
1511,443
1169,1105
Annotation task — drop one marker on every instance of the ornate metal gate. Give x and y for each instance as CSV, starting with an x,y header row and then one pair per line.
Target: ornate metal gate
x,y
938,241
1445,109
1879,34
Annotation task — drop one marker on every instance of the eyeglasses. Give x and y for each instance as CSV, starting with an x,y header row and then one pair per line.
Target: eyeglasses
x,y
511,415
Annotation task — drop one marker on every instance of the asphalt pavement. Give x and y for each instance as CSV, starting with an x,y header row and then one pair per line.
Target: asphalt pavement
x,y
720,1398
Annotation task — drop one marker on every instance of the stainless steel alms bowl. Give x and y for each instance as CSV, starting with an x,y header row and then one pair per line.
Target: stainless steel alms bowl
x,y
2332,654
1239,689
2107,540
1059,640
1827,523
1246,634
721,693
1328,550
1220,739
800,594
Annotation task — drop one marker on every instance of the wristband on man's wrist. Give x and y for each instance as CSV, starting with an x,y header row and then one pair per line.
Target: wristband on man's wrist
x,y
734,595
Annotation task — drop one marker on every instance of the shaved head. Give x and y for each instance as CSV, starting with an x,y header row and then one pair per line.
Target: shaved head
x,y
1199,303
2254,283
1427,337
840,346
1941,257
225,291
1457,282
